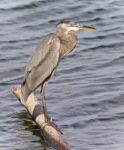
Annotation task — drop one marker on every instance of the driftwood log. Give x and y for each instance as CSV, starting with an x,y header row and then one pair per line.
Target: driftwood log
x,y
35,109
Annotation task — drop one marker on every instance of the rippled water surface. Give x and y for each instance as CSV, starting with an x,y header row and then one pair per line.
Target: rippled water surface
x,y
86,96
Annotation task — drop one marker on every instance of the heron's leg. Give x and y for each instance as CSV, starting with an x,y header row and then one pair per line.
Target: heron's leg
x,y
47,118
44,101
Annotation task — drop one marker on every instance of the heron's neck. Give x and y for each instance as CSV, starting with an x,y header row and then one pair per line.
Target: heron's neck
x,y
68,41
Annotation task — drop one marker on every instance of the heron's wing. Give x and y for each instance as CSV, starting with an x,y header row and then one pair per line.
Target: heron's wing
x,y
46,56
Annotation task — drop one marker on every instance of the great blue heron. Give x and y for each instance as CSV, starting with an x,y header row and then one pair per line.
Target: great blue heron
x,y
46,57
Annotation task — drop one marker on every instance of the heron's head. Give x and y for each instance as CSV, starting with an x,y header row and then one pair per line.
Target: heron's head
x,y
67,26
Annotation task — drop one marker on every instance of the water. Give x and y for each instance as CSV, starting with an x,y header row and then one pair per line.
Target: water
x,y
86,96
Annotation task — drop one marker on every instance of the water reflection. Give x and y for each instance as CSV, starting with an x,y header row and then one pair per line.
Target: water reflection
x,y
27,125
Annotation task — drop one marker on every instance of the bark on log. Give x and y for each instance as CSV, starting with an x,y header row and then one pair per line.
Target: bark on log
x,y
35,109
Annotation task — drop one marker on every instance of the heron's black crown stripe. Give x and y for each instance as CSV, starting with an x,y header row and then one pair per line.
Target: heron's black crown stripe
x,y
64,21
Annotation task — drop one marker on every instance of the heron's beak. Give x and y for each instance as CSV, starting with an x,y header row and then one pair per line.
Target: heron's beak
x,y
87,28
77,27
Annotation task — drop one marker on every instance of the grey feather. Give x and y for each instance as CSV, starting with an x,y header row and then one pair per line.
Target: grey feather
x,y
45,58
42,63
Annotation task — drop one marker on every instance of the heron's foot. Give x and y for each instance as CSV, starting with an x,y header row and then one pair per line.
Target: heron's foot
x,y
51,123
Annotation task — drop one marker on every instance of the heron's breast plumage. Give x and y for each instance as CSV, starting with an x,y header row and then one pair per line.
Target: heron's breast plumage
x,y
68,44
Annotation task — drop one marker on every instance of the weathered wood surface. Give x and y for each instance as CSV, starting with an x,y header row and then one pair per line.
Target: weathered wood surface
x,y
35,109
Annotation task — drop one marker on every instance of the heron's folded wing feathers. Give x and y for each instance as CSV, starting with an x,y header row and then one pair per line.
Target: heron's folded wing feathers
x,y
45,58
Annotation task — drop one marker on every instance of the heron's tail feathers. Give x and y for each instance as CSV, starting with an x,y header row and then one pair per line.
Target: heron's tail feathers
x,y
25,91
